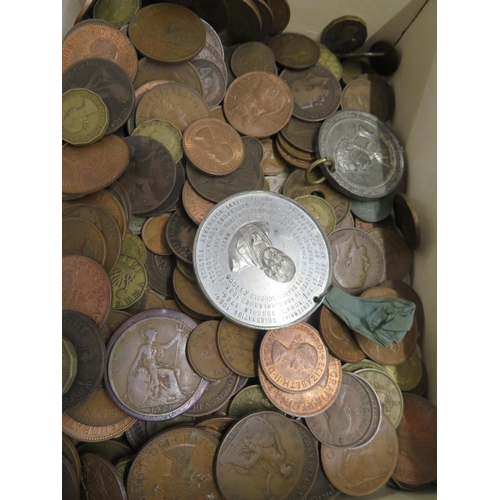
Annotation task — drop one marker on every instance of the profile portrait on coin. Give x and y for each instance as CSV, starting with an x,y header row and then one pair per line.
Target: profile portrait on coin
x,y
309,90
216,148
152,380
298,355
251,246
77,119
351,265
364,151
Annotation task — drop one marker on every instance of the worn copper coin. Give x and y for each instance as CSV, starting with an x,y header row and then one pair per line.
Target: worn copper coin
x,y
213,54
409,374
91,433
384,87
212,81
86,288
177,463
322,488
358,262
362,470
281,15
95,40
196,206
272,163
70,481
203,354
294,51
69,451
220,424
321,210
239,347
129,281
99,477
266,16
293,358
213,147
116,12
407,220
258,104
111,450
364,95
417,435
180,233
85,117
252,56
174,102
150,176
167,32
109,81
302,134
121,194
338,337
346,222
69,364
293,150
84,336
292,160
344,34
367,226
87,169
361,365
160,269
265,455
80,237
307,403
148,375
137,434
154,234
155,428
187,271
394,354
113,321
245,23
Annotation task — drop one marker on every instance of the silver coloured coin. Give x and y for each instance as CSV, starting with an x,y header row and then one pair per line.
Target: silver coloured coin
x,y
213,39
262,260
373,210
369,161
210,53
212,81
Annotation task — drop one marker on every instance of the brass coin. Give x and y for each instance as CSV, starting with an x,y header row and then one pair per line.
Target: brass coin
x,y
69,364
330,62
174,102
338,337
258,104
212,81
321,210
113,321
293,358
116,12
134,247
154,234
344,34
307,403
408,374
364,95
302,134
129,281
105,482
249,400
272,163
150,71
85,117
239,347
195,205
353,69
203,354
90,433
81,237
88,169
213,147
407,220
295,51
167,32
252,56
165,132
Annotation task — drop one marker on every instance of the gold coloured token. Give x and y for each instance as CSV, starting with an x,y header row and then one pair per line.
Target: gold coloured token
x,y
330,61
134,247
165,132
408,374
321,210
129,281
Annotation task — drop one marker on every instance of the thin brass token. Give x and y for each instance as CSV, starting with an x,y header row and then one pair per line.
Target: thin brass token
x,y
321,210
129,282
251,399
165,132
116,12
154,234
134,247
330,62
408,374
69,364
85,117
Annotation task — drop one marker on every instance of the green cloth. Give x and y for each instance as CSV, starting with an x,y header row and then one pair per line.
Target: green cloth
x,y
384,321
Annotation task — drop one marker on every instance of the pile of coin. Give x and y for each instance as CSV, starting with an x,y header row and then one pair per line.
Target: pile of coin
x,y
169,131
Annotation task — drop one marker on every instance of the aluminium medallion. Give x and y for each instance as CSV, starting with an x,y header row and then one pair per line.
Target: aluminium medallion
x,y
262,260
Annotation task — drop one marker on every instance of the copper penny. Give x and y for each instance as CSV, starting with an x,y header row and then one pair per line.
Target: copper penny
x,y
397,255
395,354
282,471
195,205
302,134
417,434
167,32
363,470
293,358
294,151
106,225
346,222
153,301
316,92
187,271
292,160
185,73
113,321
212,81
258,104
364,95
384,87
111,450
80,237
272,163
154,234
358,262
91,433
98,40
160,269
121,194
180,233
100,478
154,428
137,434
86,288
212,54
174,102
338,337
220,424
307,403
178,463
252,56
295,51
239,347
218,112
407,220
150,175
203,354
213,147
281,15
87,169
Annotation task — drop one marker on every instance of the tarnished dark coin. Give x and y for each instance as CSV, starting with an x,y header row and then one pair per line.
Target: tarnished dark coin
x,y
272,163
121,194
373,210
113,321
417,435
89,347
291,159
294,151
70,481
137,434
302,134
134,247
187,271
281,15
160,269
252,56
69,364
111,449
107,80
282,449
86,288
69,451
387,64
344,34
99,477
148,375
364,95
346,222
154,234
150,176
212,53
250,399
407,220
212,81
266,16
384,87
295,51
181,231
177,463
245,23
123,465
167,32
352,69
116,12
322,488
81,237
155,428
